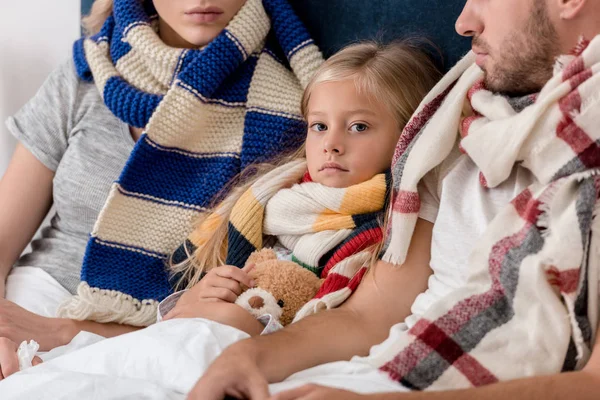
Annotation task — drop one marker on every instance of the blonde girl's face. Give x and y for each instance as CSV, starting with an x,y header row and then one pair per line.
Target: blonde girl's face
x,y
194,23
351,136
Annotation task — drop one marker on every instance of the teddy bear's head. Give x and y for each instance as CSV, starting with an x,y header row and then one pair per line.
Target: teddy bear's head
x,y
282,287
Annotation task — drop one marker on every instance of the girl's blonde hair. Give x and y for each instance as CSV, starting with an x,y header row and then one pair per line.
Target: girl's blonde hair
x,y
101,10
398,75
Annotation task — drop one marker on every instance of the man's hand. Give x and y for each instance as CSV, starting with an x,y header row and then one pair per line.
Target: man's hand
x,y
316,392
243,382
18,324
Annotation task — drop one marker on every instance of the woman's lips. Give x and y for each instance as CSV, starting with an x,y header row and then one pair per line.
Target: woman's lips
x,y
204,15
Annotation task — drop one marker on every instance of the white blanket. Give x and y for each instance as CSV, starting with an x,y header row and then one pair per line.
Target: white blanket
x,y
35,290
161,362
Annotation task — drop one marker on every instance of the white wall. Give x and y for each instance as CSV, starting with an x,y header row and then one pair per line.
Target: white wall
x,y
35,36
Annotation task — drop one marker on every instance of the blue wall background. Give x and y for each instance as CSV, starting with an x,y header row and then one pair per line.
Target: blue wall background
x,y
334,23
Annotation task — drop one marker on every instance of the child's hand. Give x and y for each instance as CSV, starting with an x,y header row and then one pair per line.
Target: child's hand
x,y
9,362
220,284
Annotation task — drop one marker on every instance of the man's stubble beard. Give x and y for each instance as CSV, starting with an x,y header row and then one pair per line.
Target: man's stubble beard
x,y
525,61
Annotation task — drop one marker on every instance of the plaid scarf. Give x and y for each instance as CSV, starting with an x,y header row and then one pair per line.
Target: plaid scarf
x,y
529,306
327,229
207,114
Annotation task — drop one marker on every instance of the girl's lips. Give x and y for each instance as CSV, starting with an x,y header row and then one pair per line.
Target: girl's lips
x,y
332,167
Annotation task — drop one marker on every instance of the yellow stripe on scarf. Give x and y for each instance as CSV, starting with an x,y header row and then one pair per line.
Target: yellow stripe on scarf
x,y
247,217
200,236
333,220
366,197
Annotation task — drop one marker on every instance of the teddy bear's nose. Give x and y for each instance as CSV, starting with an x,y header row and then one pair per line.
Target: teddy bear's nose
x,y
256,302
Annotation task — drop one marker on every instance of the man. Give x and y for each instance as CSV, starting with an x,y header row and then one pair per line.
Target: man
x,y
515,43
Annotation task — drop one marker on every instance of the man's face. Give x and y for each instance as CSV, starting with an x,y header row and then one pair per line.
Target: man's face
x,y
515,41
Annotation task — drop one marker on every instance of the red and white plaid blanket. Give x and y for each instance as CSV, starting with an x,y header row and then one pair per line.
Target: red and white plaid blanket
x,y
530,304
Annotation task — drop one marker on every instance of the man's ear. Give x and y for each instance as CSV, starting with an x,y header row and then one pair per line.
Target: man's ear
x,y
569,9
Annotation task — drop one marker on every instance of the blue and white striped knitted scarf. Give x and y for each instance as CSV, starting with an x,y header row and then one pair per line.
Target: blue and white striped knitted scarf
x,y
207,114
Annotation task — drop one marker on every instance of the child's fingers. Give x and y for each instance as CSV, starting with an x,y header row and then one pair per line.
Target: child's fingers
x,y
248,268
36,361
225,283
220,293
231,272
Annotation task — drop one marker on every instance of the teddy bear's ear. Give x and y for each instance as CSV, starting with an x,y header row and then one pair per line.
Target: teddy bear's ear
x,y
261,255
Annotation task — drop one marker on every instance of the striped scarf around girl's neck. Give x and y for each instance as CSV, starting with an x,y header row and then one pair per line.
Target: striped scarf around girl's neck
x,y
330,231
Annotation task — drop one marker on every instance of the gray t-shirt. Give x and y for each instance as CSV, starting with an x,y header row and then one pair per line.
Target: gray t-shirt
x,y
69,129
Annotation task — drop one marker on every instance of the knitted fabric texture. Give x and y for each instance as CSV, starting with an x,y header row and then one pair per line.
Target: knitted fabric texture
x,y
328,229
206,113
524,308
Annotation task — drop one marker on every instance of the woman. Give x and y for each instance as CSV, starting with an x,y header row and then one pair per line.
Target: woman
x,y
162,87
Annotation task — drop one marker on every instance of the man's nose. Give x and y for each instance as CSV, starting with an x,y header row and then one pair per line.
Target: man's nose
x,y
469,22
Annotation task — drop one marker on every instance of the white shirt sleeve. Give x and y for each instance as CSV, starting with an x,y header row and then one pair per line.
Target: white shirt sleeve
x,y
429,194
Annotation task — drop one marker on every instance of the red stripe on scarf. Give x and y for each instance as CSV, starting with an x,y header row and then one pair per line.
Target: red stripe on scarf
x,y
565,281
407,202
580,78
570,103
307,178
574,68
333,283
574,136
580,47
416,124
460,315
482,181
477,87
357,279
433,338
466,123
370,237
526,206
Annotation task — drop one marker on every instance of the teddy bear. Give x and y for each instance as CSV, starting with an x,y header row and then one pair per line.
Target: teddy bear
x,y
282,287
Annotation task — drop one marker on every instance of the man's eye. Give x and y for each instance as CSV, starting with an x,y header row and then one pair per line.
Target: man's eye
x,y
359,127
281,303
319,127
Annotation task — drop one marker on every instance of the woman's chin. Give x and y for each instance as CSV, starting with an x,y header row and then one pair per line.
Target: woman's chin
x,y
200,37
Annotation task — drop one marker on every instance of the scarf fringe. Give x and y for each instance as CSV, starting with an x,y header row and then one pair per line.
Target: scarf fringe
x,y
106,306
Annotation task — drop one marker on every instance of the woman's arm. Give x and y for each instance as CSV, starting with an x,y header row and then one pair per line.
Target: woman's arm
x,y
18,324
25,198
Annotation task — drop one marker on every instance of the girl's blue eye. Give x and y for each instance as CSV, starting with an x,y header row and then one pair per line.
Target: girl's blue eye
x,y
319,127
359,128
